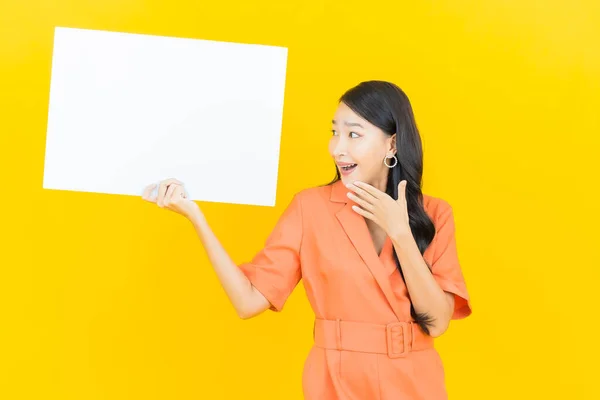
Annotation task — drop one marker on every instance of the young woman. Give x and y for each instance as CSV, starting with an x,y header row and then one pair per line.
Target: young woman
x,y
378,258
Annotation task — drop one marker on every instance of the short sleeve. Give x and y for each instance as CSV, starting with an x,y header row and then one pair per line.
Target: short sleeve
x,y
446,267
275,269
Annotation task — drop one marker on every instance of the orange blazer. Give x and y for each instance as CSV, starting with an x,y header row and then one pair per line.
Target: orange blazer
x,y
367,345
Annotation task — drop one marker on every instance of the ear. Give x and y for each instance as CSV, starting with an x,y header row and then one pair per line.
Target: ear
x,y
392,148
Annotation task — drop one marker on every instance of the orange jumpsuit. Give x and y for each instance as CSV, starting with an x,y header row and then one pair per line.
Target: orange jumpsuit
x,y
365,343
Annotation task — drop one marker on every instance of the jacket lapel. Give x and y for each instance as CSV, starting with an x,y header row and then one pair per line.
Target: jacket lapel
x,y
357,230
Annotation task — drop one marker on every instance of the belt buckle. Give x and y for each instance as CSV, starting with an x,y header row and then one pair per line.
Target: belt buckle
x,y
393,330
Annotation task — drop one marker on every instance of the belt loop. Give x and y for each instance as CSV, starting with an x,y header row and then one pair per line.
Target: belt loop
x,y
338,334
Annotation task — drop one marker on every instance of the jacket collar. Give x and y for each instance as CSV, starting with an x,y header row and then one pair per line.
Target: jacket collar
x,y
356,229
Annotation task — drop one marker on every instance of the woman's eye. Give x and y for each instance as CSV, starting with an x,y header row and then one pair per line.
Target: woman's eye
x,y
356,135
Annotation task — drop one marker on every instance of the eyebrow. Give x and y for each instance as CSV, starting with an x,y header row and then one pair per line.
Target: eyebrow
x,y
349,123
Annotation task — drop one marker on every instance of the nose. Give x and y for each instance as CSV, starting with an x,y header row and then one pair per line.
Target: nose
x,y
339,147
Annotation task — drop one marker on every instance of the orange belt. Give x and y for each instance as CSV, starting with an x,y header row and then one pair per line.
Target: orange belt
x,y
395,339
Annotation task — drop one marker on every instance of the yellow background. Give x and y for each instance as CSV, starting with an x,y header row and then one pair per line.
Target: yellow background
x,y
108,297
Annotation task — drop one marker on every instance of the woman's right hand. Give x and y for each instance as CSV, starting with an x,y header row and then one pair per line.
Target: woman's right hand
x,y
171,195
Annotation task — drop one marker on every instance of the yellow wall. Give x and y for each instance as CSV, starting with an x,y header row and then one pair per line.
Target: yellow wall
x,y
108,297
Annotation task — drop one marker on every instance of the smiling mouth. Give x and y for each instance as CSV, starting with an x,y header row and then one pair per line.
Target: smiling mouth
x,y
346,169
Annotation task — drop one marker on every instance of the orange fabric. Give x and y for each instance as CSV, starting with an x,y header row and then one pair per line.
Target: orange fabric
x,y
358,298
394,339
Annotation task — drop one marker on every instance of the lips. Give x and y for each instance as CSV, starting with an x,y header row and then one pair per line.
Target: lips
x,y
346,168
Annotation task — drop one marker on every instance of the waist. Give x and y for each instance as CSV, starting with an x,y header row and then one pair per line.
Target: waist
x,y
395,339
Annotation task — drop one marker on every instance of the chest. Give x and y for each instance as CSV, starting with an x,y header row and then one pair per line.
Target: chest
x,y
377,237
338,252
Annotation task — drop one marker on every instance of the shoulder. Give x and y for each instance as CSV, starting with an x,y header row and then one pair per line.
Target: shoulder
x,y
437,208
311,198
314,194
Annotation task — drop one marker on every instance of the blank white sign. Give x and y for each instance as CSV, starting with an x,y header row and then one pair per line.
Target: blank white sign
x,y
127,110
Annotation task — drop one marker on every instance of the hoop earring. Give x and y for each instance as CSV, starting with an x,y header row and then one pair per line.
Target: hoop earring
x,y
386,163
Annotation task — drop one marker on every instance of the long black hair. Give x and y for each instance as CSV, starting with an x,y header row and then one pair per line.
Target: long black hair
x,y
386,106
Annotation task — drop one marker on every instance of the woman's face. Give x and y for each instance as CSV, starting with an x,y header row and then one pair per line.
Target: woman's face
x,y
359,148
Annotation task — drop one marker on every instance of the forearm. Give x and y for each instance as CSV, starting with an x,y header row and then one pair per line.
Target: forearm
x,y
246,300
426,295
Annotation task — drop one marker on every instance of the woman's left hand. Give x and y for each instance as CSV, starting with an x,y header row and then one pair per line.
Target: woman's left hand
x,y
389,214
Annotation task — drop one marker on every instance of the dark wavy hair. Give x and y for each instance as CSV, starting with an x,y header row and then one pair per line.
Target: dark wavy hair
x,y
387,107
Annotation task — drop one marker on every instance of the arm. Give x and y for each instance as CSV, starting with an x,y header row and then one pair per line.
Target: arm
x,y
426,294
247,301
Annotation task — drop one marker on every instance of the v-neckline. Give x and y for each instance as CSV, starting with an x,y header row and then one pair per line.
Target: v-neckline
x,y
358,233
384,248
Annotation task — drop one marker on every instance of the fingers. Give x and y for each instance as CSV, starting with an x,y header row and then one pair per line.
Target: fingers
x,y
162,190
402,186
402,191
174,193
364,204
164,193
173,180
147,194
364,191
179,192
364,213
169,194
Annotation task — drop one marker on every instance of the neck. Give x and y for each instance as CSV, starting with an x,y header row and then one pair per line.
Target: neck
x,y
381,183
